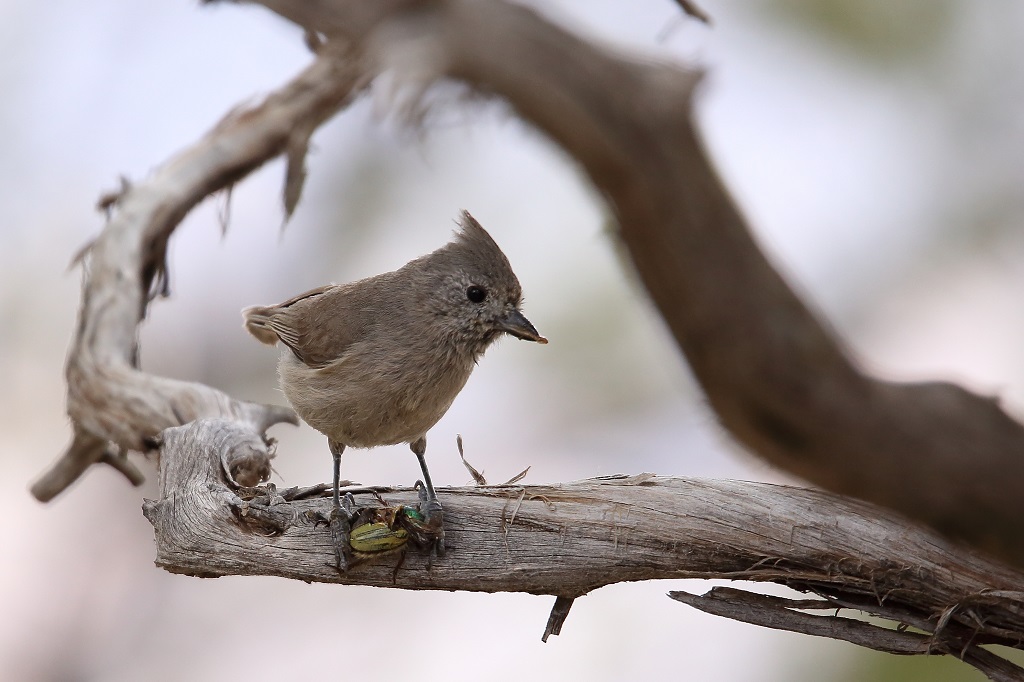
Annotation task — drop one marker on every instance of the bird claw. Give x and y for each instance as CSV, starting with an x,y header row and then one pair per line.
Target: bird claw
x,y
428,532
340,523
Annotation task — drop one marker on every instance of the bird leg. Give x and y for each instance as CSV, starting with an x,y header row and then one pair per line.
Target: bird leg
x,y
430,507
341,517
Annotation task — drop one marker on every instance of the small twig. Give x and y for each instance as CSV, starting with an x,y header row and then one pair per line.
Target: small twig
x,y
518,477
559,612
224,210
691,9
506,527
119,461
478,476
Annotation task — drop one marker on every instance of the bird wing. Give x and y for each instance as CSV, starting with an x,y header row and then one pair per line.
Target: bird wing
x,y
320,325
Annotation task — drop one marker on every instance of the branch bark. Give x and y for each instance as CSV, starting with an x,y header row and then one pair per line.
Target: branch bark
x,y
779,380
570,539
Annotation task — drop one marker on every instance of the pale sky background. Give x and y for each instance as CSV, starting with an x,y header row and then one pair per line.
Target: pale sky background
x,y
877,147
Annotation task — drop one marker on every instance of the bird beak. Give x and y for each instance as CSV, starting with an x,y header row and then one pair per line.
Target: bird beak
x,y
517,325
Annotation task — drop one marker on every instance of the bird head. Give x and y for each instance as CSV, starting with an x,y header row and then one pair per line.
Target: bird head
x,y
477,293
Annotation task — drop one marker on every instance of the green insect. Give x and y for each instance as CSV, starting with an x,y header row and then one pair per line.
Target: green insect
x,y
376,529
372,533
381,531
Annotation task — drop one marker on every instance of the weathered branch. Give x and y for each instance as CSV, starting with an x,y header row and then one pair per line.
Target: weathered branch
x,y
779,380
570,539
110,401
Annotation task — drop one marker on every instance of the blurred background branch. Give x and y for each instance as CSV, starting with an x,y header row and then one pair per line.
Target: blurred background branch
x,y
778,379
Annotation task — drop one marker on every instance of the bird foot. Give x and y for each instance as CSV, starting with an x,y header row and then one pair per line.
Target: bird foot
x,y
340,523
426,528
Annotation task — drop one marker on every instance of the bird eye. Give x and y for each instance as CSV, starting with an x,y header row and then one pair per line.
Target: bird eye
x,y
476,294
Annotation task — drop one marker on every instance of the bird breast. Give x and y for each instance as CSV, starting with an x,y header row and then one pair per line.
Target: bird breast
x,y
366,398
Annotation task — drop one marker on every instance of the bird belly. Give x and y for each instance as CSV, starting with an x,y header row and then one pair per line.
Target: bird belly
x,y
372,403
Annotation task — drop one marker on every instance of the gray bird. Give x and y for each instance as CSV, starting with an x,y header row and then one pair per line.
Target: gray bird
x,y
379,361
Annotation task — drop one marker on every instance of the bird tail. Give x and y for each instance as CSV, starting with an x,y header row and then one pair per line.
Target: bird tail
x,y
257,323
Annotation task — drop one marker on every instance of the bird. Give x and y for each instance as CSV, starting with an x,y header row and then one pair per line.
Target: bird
x,y
380,360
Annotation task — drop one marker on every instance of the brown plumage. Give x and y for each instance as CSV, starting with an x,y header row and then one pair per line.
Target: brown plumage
x,y
379,361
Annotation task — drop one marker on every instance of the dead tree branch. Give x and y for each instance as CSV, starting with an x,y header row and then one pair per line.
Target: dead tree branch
x,y
570,539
